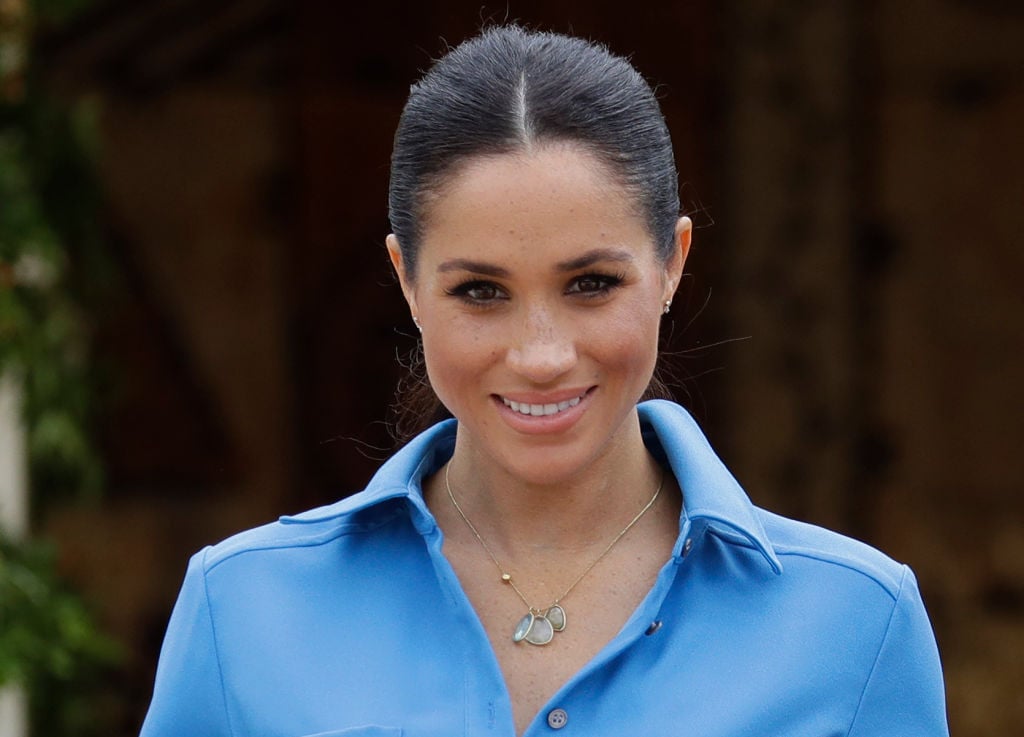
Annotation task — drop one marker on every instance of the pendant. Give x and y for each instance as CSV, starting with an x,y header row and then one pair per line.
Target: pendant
x,y
539,629
556,615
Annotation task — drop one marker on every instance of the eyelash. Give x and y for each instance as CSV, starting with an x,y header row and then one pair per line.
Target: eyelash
x,y
605,283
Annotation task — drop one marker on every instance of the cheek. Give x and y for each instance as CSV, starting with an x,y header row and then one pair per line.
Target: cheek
x,y
626,342
456,357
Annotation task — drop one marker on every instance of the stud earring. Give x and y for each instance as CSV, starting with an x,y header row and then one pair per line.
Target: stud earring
x,y
668,306
416,322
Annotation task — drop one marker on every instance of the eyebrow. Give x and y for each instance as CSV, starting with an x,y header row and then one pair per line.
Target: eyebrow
x,y
596,256
476,267
580,262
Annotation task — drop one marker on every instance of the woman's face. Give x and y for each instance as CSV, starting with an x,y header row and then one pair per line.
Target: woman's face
x,y
540,295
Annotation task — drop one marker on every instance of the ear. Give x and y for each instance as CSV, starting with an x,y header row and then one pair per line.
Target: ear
x,y
395,254
680,250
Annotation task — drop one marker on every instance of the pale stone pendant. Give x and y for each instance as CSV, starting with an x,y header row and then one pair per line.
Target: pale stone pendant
x,y
537,629
556,615
523,627
540,632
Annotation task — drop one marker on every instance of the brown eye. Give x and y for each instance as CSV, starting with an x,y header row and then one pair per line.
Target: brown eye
x,y
588,284
478,292
482,292
594,284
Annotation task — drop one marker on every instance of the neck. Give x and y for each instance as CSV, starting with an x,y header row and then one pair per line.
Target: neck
x,y
519,517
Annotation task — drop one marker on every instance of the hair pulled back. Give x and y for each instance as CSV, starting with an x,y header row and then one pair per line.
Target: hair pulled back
x,y
506,91
509,89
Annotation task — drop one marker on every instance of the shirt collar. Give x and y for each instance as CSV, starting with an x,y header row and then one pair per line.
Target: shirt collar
x,y
400,477
711,494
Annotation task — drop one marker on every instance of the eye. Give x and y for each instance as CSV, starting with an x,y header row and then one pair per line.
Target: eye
x,y
477,292
593,285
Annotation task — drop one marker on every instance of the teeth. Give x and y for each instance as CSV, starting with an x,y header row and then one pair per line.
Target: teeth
x,y
540,410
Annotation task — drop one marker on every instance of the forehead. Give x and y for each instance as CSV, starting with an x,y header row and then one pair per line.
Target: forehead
x,y
551,166
555,197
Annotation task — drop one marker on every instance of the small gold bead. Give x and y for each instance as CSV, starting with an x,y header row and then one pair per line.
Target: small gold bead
x,y
507,578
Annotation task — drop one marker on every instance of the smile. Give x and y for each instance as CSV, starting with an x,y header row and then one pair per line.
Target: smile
x,y
540,410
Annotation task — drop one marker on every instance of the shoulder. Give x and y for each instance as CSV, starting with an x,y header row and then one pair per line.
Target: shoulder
x,y
801,546
794,549
312,529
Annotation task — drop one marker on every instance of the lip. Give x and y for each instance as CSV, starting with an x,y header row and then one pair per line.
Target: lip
x,y
544,424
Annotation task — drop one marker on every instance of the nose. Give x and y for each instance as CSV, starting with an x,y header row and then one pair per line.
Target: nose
x,y
545,348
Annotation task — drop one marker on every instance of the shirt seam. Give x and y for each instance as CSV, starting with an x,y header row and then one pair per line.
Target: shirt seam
x,y
878,655
216,647
886,587
303,542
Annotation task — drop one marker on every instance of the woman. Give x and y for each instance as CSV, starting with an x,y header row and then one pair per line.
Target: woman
x,y
556,556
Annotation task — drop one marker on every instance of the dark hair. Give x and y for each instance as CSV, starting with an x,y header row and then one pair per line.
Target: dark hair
x,y
509,89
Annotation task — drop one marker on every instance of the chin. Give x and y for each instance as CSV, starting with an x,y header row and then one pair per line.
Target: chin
x,y
548,462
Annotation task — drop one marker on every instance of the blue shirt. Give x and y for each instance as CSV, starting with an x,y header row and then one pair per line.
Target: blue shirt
x,y
348,620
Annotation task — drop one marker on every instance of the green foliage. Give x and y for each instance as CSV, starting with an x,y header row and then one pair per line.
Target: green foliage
x,y
47,215
49,248
50,643
45,630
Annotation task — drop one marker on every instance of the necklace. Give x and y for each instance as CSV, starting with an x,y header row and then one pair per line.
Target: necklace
x,y
538,626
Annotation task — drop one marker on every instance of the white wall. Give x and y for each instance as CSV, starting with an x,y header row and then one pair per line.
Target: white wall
x,y
14,522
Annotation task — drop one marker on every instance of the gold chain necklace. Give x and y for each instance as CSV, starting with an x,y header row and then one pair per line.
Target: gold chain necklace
x,y
538,626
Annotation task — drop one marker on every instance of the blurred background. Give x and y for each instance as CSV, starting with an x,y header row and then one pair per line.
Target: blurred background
x,y
199,330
